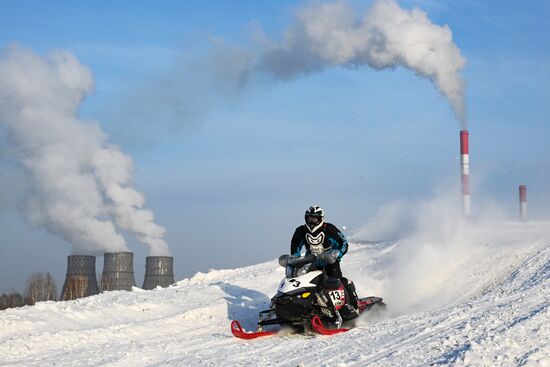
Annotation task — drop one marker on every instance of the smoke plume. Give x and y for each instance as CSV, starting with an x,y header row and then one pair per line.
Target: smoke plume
x,y
385,37
322,35
80,187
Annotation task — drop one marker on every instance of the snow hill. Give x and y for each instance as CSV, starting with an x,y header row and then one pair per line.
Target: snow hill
x,y
485,306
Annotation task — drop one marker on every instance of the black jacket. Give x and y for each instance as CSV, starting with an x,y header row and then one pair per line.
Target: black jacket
x,y
327,237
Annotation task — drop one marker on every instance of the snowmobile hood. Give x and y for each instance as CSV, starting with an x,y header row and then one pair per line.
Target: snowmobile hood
x,y
304,281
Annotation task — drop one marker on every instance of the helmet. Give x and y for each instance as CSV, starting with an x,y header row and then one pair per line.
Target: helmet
x,y
315,216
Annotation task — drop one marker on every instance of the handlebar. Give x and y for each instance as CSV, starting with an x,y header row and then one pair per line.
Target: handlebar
x,y
330,257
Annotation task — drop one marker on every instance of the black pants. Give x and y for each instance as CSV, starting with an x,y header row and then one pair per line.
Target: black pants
x,y
333,270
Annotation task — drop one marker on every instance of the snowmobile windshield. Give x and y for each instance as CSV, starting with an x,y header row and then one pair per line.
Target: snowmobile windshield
x,y
293,271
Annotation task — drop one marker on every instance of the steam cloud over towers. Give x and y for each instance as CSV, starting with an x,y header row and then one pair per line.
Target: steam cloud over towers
x,y
80,187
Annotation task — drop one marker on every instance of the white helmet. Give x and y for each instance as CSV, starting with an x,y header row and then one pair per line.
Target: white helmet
x,y
315,217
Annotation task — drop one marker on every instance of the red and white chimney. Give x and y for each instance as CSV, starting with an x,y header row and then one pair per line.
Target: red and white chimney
x,y
465,171
522,202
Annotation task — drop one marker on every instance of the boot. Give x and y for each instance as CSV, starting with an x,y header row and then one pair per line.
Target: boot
x,y
348,312
352,294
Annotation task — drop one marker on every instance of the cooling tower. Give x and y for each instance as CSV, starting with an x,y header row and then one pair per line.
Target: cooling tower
x,y
81,279
118,271
159,270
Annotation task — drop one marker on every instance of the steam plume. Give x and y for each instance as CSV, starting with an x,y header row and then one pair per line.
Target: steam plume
x,y
322,35
385,37
79,186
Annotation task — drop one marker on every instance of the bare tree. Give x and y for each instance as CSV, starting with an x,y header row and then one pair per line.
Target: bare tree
x,y
41,287
77,287
51,287
15,299
4,301
106,284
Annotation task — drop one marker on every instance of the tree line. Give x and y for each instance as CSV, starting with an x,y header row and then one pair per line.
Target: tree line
x,y
40,287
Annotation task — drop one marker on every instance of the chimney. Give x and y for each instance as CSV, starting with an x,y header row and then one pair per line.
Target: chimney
x,y
159,270
118,271
465,171
81,279
523,202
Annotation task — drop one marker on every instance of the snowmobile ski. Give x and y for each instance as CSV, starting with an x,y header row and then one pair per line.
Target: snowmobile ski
x,y
317,325
364,304
239,332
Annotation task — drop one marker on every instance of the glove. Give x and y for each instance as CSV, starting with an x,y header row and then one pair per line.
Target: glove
x,y
329,257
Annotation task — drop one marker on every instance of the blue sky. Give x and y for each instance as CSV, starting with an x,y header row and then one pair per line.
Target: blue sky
x,y
231,176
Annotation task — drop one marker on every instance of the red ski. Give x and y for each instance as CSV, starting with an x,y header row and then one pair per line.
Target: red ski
x,y
239,332
318,327
367,302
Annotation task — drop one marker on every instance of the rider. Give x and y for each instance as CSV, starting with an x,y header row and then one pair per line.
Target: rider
x,y
318,236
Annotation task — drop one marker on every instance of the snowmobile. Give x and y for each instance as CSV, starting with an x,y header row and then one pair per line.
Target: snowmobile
x,y
307,300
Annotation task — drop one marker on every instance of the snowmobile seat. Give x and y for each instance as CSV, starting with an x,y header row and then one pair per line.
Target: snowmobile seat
x,y
331,283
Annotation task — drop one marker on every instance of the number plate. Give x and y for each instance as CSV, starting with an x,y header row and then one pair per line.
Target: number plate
x,y
338,297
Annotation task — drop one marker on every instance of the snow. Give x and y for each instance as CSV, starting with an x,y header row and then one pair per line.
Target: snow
x,y
487,305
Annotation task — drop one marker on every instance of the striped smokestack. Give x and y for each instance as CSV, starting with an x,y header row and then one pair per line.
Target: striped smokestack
x,y
465,171
522,202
